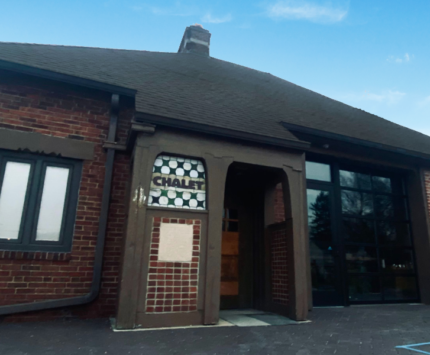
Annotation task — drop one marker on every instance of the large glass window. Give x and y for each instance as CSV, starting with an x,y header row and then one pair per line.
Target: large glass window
x,y
377,239
38,198
371,230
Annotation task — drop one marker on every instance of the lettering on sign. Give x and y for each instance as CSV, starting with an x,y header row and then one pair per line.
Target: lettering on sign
x,y
182,183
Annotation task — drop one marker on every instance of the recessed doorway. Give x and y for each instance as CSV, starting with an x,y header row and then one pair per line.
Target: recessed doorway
x,y
243,231
246,254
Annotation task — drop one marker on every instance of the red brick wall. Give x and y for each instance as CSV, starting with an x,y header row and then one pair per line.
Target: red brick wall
x,y
172,287
279,251
279,263
279,205
32,277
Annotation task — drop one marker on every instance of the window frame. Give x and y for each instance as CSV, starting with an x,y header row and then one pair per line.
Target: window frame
x,y
399,191
26,241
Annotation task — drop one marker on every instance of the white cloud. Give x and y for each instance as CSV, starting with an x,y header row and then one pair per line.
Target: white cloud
x,y
245,26
303,10
177,10
389,97
399,60
208,18
137,8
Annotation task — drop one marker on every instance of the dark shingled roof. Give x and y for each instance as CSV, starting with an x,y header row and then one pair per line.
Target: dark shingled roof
x,y
210,91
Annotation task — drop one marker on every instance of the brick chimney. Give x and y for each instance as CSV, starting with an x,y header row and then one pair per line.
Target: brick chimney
x,y
195,40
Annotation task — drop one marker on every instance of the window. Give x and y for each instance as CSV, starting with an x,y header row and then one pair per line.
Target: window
x,y
38,199
178,183
371,232
318,171
230,220
375,230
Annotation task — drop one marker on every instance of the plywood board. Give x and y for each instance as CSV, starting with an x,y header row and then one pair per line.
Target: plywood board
x,y
229,268
229,288
230,243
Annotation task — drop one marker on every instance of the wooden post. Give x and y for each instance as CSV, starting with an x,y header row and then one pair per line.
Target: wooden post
x,y
216,176
298,248
135,238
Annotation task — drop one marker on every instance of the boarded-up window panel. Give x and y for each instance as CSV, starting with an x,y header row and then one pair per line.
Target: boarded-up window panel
x,y
229,268
230,244
229,288
176,242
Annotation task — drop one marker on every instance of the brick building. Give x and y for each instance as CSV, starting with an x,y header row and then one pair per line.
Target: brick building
x,y
159,188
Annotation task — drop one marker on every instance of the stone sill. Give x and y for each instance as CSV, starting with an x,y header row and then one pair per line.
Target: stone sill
x,y
35,255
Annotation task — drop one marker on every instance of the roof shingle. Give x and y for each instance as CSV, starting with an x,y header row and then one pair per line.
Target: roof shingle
x,y
210,91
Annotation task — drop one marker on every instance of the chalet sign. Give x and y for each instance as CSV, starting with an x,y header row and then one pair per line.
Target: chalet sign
x,y
178,183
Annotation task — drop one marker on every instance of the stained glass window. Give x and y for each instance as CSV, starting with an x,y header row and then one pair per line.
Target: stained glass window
x,y
178,183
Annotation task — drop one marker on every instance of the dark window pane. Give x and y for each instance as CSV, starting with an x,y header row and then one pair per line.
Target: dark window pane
x,y
397,260
232,214
223,225
390,207
391,233
355,180
398,185
322,266
358,230
319,215
232,226
364,288
384,207
357,203
361,259
400,209
318,171
397,288
381,184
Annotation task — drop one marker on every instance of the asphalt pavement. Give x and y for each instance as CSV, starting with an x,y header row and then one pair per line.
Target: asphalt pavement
x,y
362,330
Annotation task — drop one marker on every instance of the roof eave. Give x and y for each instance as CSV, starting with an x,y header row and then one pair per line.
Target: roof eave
x,y
220,132
361,142
65,78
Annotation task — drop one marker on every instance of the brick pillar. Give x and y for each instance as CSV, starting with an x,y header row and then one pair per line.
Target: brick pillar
x,y
279,261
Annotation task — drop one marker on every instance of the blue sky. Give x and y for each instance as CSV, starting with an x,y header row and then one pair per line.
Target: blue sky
x,y
371,54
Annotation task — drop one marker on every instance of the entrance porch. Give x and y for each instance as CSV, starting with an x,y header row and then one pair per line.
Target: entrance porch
x,y
187,254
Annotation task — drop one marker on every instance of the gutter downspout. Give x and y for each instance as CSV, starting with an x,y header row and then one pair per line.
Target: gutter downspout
x,y
98,259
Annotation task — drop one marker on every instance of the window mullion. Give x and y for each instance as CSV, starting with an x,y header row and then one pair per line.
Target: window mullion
x,y
30,214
